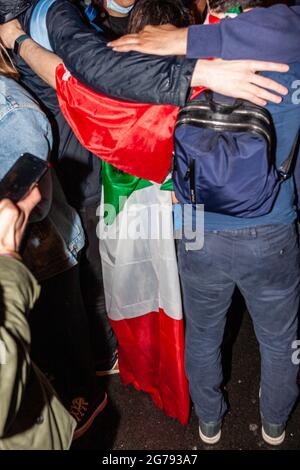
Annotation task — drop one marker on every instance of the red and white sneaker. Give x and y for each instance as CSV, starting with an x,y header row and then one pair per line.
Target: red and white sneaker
x,y
85,412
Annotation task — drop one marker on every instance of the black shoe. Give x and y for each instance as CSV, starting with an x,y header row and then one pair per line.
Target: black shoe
x,y
85,411
210,433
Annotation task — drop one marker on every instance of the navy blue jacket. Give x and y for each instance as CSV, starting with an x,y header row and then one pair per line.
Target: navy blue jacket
x,y
263,33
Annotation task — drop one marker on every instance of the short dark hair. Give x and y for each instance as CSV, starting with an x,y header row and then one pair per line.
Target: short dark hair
x,y
159,12
221,6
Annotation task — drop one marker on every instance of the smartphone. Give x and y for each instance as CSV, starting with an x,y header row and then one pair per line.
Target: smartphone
x,y
22,177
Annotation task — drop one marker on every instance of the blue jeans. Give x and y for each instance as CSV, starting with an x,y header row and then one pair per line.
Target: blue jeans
x,y
263,262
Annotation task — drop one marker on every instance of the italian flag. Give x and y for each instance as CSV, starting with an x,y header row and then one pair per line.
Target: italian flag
x,y
142,288
143,300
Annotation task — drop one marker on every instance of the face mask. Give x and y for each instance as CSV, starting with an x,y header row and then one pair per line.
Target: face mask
x,y
114,6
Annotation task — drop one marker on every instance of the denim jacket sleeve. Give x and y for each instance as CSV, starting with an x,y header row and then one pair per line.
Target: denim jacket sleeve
x,y
25,129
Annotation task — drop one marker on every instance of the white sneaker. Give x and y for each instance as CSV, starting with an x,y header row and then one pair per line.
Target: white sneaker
x,y
273,434
210,433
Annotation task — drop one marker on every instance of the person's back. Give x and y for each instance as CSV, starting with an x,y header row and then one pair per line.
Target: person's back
x,y
261,257
286,119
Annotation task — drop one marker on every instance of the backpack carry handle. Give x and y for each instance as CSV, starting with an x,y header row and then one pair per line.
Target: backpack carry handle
x,y
222,108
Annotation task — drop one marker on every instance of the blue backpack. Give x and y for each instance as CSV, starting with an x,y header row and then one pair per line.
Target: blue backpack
x,y
225,157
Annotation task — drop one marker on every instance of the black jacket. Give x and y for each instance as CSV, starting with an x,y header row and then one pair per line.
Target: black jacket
x,y
130,76
133,77
78,170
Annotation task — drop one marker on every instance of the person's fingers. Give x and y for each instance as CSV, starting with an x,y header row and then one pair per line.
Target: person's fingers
x,y
174,198
30,201
13,220
158,40
246,95
261,66
268,83
128,48
261,94
163,27
10,219
9,209
3,203
239,79
26,206
20,226
9,32
148,33
265,94
152,29
129,39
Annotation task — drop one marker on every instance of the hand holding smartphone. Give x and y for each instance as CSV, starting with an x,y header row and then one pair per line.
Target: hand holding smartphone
x,y
23,176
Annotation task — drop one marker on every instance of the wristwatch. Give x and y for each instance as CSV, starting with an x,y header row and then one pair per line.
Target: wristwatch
x,y
19,41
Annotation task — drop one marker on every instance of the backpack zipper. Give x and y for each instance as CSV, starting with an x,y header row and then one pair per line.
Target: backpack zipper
x,y
222,124
190,175
262,114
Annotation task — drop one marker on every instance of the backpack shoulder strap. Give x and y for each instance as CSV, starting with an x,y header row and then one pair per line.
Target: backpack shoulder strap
x,y
287,167
38,24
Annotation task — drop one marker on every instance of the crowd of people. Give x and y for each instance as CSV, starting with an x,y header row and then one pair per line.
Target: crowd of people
x,y
95,88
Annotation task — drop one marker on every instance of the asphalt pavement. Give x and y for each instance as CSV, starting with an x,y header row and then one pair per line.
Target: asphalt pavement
x,y
132,422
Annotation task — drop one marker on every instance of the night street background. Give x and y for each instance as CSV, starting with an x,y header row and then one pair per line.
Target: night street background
x,y
132,422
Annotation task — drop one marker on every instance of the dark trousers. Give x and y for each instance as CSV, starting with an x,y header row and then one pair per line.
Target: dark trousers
x,y
71,334
264,263
103,340
60,332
